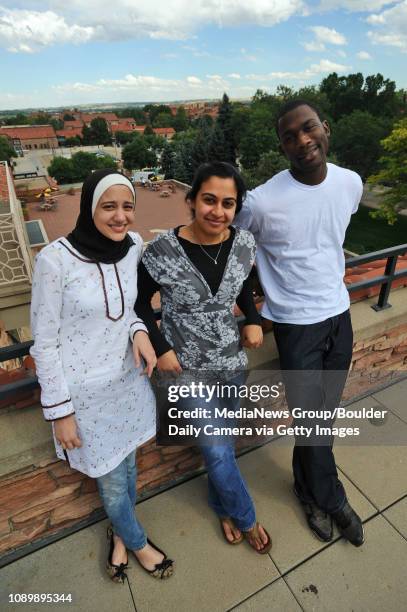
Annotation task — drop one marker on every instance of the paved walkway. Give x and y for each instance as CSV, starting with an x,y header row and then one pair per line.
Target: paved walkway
x,y
300,573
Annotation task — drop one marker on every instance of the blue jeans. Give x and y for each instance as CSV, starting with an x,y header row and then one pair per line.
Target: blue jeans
x,y
227,491
118,492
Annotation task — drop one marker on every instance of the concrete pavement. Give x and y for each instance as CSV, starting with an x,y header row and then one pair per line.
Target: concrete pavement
x,y
300,573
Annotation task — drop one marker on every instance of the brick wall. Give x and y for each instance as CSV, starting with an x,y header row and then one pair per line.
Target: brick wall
x,y
4,196
42,499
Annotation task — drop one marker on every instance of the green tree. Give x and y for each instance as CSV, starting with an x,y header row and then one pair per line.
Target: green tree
x,y
163,120
19,119
224,123
259,136
135,112
269,164
379,95
73,142
136,154
345,93
97,133
180,122
78,167
155,142
61,169
393,173
356,141
57,124
156,109
123,138
84,163
201,150
167,162
68,117
6,151
183,143
217,145
41,119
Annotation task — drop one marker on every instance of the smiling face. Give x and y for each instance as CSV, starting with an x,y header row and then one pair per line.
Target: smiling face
x,y
304,141
114,212
214,207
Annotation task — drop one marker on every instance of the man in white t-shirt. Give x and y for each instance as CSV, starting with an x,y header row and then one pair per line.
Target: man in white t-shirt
x,y
299,219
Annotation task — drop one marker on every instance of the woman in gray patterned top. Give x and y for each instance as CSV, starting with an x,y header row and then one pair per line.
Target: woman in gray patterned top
x,y
201,271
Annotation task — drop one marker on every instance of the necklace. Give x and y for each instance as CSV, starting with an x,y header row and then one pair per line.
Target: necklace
x,y
214,259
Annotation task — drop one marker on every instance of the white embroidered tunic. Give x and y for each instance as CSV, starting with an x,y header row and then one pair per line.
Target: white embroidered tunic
x,y
82,314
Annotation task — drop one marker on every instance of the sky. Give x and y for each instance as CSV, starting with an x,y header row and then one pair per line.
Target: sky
x,y
59,53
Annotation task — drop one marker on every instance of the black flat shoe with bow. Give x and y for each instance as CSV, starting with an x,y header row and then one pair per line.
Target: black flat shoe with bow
x,y
162,570
116,572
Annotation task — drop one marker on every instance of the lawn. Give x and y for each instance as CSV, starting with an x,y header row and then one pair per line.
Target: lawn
x,y
365,234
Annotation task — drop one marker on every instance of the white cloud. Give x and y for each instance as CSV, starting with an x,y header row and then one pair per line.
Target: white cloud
x,y
314,45
363,55
324,36
78,21
145,88
234,75
28,31
354,5
324,66
193,80
328,35
390,27
248,56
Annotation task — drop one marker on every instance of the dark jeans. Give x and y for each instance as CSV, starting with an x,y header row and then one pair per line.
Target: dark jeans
x,y
322,352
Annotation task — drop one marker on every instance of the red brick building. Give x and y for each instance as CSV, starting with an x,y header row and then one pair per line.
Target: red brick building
x,y
30,137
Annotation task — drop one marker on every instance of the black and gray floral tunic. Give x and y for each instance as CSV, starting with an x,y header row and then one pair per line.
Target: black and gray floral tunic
x,y
201,327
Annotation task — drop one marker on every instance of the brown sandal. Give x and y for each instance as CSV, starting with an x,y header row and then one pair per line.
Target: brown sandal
x,y
254,533
231,524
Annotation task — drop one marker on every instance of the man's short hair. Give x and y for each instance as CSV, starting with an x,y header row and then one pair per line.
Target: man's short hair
x,y
292,105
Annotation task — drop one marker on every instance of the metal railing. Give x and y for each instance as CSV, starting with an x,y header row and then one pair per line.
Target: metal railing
x,y
29,383
384,280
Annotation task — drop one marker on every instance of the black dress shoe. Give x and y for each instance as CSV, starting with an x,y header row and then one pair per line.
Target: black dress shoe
x,y
349,525
318,521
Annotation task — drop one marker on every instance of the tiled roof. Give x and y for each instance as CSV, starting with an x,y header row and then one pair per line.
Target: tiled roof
x,y
165,130
70,133
123,126
26,132
87,117
77,123
371,270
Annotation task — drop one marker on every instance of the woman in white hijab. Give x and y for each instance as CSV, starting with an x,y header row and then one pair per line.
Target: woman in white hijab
x,y
86,340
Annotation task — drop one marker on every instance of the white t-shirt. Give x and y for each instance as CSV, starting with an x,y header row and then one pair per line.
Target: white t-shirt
x,y
300,230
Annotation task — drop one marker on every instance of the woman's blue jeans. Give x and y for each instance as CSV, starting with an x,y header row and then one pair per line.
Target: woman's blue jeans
x,y
228,495
118,492
227,491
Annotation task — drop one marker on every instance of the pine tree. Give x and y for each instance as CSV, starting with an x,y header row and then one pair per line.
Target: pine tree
x,y
183,170
217,145
225,123
168,161
200,150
